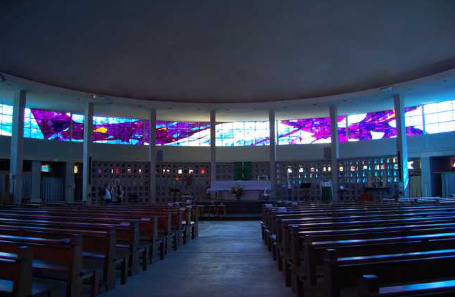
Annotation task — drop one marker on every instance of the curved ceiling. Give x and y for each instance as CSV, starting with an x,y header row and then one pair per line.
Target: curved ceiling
x,y
225,51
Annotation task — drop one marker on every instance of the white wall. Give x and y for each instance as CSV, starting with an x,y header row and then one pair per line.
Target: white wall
x,y
425,145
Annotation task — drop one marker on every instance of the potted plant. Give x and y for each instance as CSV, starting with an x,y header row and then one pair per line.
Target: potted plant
x,y
238,191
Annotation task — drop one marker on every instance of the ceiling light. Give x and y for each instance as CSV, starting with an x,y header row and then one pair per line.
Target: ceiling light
x,y
385,89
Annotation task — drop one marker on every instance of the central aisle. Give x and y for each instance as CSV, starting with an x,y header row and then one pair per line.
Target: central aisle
x,y
228,259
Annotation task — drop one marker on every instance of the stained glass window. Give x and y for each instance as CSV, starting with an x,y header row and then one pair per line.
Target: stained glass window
x,y
118,130
62,126
49,125
6,120
78,127
439,117
373,125
414,120
304,131
180,133
252,133
382,124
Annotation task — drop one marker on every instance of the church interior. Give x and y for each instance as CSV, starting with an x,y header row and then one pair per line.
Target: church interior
x,y
238,148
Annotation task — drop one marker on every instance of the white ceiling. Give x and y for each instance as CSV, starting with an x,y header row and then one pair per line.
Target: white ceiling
x,y
218,52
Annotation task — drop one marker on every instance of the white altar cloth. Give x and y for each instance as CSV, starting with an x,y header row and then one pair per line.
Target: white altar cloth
x,y
247,185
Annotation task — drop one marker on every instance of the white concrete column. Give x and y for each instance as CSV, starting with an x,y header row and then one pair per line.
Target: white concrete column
x,y
426,182
402,145
36,181
272,150
69,181
152,155
17,146
87,155
212,146
334,151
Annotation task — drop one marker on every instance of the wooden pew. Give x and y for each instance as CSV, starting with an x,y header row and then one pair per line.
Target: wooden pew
x,y
283,221
149,240
56,258
277,220
369,286
285,253
314,250
296,232
154,228
98,247
271,214
127,233
16,276
190,214
333,223
343,273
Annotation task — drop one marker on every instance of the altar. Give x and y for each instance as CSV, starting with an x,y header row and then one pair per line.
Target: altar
x,y
254,189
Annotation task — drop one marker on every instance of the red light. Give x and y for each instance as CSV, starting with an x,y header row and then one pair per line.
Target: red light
x,y
202,171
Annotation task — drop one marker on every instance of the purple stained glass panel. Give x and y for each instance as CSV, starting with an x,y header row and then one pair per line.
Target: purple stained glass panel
x,y
304,131
180,133
53,125
377,125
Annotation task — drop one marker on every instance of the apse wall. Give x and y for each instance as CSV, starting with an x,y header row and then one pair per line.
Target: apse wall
x,y
45,150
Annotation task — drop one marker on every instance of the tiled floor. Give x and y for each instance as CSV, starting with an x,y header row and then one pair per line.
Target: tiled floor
x,y
228,259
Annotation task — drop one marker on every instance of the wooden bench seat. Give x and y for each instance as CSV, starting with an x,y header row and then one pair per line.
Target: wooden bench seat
x,y
314,251
369,287
343,273
95,242
62,257
16,276
127,232
148,224
298,233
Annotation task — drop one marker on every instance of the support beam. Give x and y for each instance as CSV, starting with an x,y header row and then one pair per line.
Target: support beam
x,y
272,157
402,145
36,181
334,151
212,145
87,155
152,155
69,182
17,146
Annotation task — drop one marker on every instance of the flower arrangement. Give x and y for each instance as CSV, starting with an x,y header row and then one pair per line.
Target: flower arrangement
x,y
238,191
